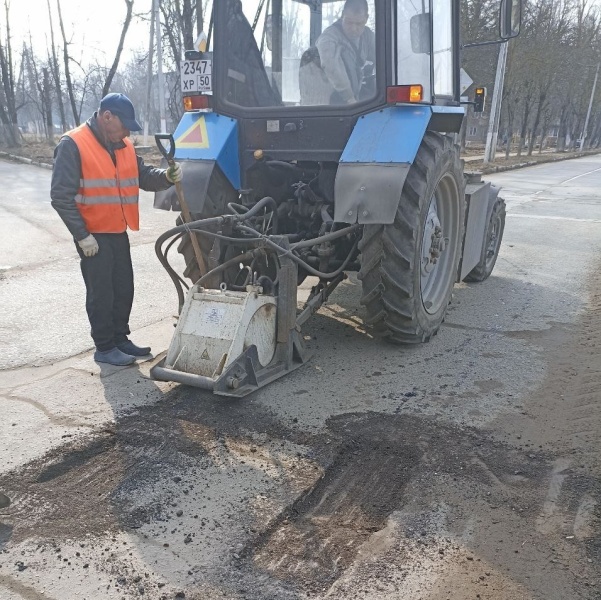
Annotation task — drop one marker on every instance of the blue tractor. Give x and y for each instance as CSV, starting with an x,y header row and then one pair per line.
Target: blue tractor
x,y
319,139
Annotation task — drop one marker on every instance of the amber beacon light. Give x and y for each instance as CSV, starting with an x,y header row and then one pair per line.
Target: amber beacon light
x,y
404,93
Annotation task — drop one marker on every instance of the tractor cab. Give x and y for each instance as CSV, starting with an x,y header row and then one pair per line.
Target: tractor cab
x,y
308,68
268,56
297,74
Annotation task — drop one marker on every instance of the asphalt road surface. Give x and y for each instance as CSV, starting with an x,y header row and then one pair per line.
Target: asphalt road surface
x,y
466,468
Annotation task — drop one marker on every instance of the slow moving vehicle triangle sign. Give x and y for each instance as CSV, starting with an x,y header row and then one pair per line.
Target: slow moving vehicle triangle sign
x,y
195,136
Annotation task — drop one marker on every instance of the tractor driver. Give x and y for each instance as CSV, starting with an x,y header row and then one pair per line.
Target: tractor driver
x,y
347,54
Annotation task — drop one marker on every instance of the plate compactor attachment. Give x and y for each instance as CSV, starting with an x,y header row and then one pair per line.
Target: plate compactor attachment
x,y
233,342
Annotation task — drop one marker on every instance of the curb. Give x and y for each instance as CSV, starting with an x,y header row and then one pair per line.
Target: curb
x,y
27,161
531,163
483,170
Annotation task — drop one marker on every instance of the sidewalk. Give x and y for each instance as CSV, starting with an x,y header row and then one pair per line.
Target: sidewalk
x,y
501,155
475,164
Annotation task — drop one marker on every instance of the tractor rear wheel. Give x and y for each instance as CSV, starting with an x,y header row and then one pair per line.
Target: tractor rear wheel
x,y
409,267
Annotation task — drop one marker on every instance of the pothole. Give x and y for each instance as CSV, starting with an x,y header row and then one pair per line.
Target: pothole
x,y
386,464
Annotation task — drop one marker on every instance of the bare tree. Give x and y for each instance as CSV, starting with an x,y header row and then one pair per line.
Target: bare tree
x,y
8,107
115,65
66,59
47,104
35,91
56,73
199,17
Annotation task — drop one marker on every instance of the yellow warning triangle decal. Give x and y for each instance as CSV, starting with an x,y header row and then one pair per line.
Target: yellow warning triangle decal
x,y
195,136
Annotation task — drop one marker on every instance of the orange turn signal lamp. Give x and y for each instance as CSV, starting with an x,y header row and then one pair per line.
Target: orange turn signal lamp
x,y
200,102
404,93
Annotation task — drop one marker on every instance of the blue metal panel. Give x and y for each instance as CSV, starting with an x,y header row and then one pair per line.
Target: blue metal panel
x,y
209,136
391,135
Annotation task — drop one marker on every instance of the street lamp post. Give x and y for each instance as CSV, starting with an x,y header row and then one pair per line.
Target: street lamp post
x,y
495,107
588,112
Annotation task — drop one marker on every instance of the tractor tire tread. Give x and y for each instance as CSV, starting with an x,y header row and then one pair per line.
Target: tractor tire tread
x,y
388,252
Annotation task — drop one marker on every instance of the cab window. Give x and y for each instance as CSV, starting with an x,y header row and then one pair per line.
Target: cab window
x,y
308,54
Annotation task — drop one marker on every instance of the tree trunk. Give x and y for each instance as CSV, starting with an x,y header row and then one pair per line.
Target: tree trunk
x,y
543,137
47,104
524,127
595,134
8,77
509,138
115,65
539,109
563,129
56,75
8,108
199,18
66,59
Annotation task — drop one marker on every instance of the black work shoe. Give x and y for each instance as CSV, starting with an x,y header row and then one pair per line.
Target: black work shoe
x,y
114,356
130,348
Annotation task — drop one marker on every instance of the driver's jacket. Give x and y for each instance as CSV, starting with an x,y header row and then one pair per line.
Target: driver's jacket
x,y
343,62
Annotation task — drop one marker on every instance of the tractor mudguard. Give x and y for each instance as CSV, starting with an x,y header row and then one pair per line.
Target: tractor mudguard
x,y
375,162
480,198
202,142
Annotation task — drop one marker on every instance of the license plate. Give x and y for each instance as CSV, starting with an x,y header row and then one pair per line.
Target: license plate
x,y
196,76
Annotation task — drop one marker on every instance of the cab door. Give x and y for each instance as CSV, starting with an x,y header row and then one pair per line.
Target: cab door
x,y
425,48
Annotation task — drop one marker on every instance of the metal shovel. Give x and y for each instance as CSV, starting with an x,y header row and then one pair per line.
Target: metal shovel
x,y
160,139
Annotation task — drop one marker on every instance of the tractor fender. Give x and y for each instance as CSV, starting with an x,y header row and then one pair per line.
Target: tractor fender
x,y
493,194
480,197
377,157
203,142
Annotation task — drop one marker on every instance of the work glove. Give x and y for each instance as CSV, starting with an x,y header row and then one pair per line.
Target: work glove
x,y
89,245
174,173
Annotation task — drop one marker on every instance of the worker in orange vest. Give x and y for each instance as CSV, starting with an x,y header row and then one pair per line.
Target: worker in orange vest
x,y
95,187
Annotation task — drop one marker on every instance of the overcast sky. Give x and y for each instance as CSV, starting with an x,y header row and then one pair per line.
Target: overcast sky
x,y
94,26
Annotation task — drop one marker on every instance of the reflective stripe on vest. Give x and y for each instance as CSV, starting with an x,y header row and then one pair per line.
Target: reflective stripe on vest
x,y
108,194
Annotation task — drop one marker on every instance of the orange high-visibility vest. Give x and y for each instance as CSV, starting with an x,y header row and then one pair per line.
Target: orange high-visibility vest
x,y
108,194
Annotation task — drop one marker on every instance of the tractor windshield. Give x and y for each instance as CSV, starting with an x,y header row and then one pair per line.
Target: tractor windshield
x,y
299,52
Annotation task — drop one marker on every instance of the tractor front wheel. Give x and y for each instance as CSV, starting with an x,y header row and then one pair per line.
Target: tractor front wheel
x,y
409,267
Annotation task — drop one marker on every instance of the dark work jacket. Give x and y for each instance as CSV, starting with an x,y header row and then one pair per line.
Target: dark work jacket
x,y
66,175
345,62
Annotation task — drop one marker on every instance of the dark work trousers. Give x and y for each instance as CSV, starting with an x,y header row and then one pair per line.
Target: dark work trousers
x,y
109,280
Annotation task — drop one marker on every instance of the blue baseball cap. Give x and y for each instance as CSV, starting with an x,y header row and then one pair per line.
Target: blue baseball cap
x,y
121,106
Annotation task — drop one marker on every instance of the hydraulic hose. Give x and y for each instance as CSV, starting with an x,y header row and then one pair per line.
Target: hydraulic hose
x,y
171,243
321,274
228,263
235,209
200,225
324,238
203,223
